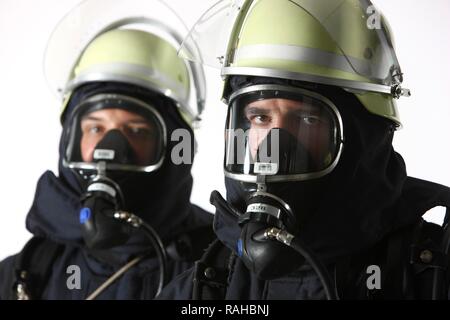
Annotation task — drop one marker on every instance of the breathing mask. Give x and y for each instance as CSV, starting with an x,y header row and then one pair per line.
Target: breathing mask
x,y
111,136
276,135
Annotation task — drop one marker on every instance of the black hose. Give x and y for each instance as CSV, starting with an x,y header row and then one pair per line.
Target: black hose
x,y
317,265
160,252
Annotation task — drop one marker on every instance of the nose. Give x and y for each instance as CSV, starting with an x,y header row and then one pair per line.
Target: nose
x,y
281,121
118,127
288,123
115,126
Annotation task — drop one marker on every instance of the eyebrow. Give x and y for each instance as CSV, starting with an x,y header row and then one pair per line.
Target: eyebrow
x,y
307,107
139,121
256,110
91,118
312,111
135,121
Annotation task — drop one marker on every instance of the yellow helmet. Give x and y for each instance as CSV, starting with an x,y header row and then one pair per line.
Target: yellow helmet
x,y
344,43
124,44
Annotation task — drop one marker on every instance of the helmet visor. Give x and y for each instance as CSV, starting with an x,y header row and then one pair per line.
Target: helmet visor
x,y
88,20
254,29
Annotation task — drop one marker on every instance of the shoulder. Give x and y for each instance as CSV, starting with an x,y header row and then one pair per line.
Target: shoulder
x,y
7,275
426,192
6,265
36,258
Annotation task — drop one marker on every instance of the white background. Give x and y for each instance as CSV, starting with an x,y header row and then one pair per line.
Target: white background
x,y
29,113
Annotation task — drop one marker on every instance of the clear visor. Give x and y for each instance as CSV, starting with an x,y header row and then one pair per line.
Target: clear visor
x,y
91,18
282,133
348,22
119,131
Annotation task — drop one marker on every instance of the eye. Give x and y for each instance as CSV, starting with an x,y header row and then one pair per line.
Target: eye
x,y
259,119
136,130
94,129
140,131
310,120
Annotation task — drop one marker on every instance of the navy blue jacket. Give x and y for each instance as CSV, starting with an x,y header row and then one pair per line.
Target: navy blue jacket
x,y
54,215
303,284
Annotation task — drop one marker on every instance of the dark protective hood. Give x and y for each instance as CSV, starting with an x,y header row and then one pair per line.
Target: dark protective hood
x,y
364,198
161,198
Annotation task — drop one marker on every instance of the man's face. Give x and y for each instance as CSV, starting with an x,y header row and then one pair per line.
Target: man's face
x,y
141,134
305,122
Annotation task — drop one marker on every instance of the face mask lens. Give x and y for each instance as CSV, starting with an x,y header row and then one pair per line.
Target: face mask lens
x,y
124,133
272,132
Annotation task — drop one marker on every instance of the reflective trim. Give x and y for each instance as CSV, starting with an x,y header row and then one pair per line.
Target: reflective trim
x,y
196,70
118,70
250,178
272,73
302,54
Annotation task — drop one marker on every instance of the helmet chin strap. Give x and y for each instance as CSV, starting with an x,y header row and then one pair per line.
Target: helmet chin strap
x,y
268,239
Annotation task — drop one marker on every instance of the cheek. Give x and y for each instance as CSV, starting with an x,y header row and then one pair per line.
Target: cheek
x,y
317,143
87,146
323,140
256,137
144,151
294,128
253,141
